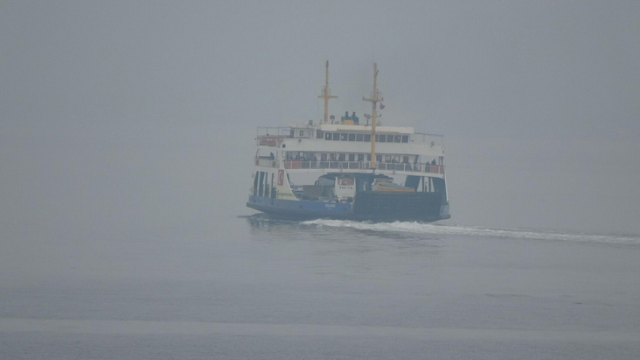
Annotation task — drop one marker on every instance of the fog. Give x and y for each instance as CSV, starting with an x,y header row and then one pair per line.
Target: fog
x,y
140,116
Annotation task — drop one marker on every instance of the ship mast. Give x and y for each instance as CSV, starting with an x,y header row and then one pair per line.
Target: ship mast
x,y
374,99
326,94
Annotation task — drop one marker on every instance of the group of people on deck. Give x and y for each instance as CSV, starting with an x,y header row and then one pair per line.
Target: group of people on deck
x,y
353,117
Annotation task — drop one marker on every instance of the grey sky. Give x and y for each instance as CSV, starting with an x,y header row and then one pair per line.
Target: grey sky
x,y
142,114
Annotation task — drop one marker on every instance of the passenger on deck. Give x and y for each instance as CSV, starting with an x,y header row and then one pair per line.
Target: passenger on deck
x,y
433,162
405,163
355,118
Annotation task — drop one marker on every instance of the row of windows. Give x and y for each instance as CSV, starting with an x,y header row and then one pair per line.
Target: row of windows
x,y
306,156
335,136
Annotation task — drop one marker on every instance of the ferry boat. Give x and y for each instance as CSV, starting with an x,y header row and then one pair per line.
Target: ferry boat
x,y
344,169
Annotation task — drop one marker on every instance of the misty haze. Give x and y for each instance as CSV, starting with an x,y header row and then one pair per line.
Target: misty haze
x,y
128,135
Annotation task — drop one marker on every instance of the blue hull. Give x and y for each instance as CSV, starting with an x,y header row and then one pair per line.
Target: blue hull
x,y
301,209
367,206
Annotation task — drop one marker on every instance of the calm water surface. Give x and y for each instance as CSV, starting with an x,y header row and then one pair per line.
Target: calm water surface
x,y
259,288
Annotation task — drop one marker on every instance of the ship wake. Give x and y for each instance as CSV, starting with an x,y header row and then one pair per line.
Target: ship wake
x,y
475,231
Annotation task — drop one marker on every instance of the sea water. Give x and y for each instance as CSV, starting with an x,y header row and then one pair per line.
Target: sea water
x,y
260,288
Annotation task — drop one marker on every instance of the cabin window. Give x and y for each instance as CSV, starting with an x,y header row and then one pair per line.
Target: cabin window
x,y
343,137
389,138
381,138
367,138
318,134
352,157
352,137
359,137
341,157
336,136
387,158
405,159
379,158
327,136
397,138
323,157
360,157
405,138
301,133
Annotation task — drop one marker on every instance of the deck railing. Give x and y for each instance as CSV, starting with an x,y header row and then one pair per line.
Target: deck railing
x,y
269,136
284,131
267,162
362,165
433,139
271,140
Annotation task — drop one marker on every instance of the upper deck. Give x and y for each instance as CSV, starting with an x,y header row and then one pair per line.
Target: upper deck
x,y
326,147
337,134
348,144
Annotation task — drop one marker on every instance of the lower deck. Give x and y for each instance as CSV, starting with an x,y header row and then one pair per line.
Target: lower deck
x,y
373,206
341,195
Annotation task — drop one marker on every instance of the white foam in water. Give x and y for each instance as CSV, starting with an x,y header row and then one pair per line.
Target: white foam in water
x,y
421,228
